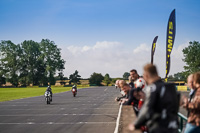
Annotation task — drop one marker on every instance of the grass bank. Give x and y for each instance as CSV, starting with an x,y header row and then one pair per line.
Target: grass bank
x,y
7,94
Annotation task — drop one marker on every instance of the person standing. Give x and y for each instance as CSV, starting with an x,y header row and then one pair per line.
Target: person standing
x,y
193,107
160,108
190,85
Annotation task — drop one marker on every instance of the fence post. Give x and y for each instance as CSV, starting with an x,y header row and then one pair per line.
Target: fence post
x,y
181,119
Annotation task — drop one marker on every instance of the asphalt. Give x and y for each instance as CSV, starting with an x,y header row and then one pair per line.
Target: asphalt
x,y
93,110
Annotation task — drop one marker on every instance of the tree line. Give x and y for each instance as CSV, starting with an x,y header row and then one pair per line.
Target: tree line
x,y
95,79
37,63
30,62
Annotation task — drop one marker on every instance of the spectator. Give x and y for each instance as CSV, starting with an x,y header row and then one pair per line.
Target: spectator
x,y
132,99
190,84
159,111
193,106
133,77
117,84
124,95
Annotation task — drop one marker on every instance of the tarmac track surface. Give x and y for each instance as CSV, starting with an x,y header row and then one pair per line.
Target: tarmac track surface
x,y
92,111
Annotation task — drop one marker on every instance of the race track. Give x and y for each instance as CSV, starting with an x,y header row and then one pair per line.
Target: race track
x,y
92,111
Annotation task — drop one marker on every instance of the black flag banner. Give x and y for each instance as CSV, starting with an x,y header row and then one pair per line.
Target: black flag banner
x,y
171,31
153,48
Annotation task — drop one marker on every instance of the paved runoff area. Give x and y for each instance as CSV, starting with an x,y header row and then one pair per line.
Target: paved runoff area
x,y
92,111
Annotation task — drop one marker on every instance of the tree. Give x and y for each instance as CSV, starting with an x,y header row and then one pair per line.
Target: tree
x,y
31,63
96,78
2,80
115,79
75,78
126,75
181,76
171,77
107,80
61,78
51,56
10,61
192,57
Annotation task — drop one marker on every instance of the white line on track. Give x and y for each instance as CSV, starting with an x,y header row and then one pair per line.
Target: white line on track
x,y
60,123
118,118
74,101
58,115
61,109
54,104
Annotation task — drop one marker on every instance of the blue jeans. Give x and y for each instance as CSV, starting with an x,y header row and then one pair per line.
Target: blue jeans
x,y
190,128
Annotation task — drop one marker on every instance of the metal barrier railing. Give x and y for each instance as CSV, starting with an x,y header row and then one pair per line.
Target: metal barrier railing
x,y
182,118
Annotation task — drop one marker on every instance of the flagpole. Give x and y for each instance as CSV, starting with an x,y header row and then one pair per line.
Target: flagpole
x,y
171,31
153,48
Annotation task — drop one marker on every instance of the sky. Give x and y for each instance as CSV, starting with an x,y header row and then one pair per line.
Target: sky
x,y
104,36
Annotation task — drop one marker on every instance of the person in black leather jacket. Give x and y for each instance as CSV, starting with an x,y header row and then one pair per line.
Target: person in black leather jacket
x,y
49,89
160,108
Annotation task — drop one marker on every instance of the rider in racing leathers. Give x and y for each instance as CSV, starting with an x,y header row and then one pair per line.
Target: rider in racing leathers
x,y
74,87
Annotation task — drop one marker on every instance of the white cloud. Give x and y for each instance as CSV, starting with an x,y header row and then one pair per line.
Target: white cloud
x,y
86,48
74,49
114,58
106,45
176,59
141,48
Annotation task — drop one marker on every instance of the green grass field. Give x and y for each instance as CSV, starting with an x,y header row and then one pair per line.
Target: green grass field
x,y
7,94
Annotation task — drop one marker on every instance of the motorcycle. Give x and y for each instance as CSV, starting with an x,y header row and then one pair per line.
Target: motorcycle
x,y
74,92
48,97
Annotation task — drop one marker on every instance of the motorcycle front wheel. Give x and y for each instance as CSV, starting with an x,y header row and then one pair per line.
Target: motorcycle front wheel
x,y
48,100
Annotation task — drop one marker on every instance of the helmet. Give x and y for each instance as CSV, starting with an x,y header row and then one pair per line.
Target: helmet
x,y
140,83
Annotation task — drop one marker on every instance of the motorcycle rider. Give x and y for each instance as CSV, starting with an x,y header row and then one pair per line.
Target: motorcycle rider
x,y
50,90
74,87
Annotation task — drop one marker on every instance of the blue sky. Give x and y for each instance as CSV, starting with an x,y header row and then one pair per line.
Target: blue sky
x,y
121,26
